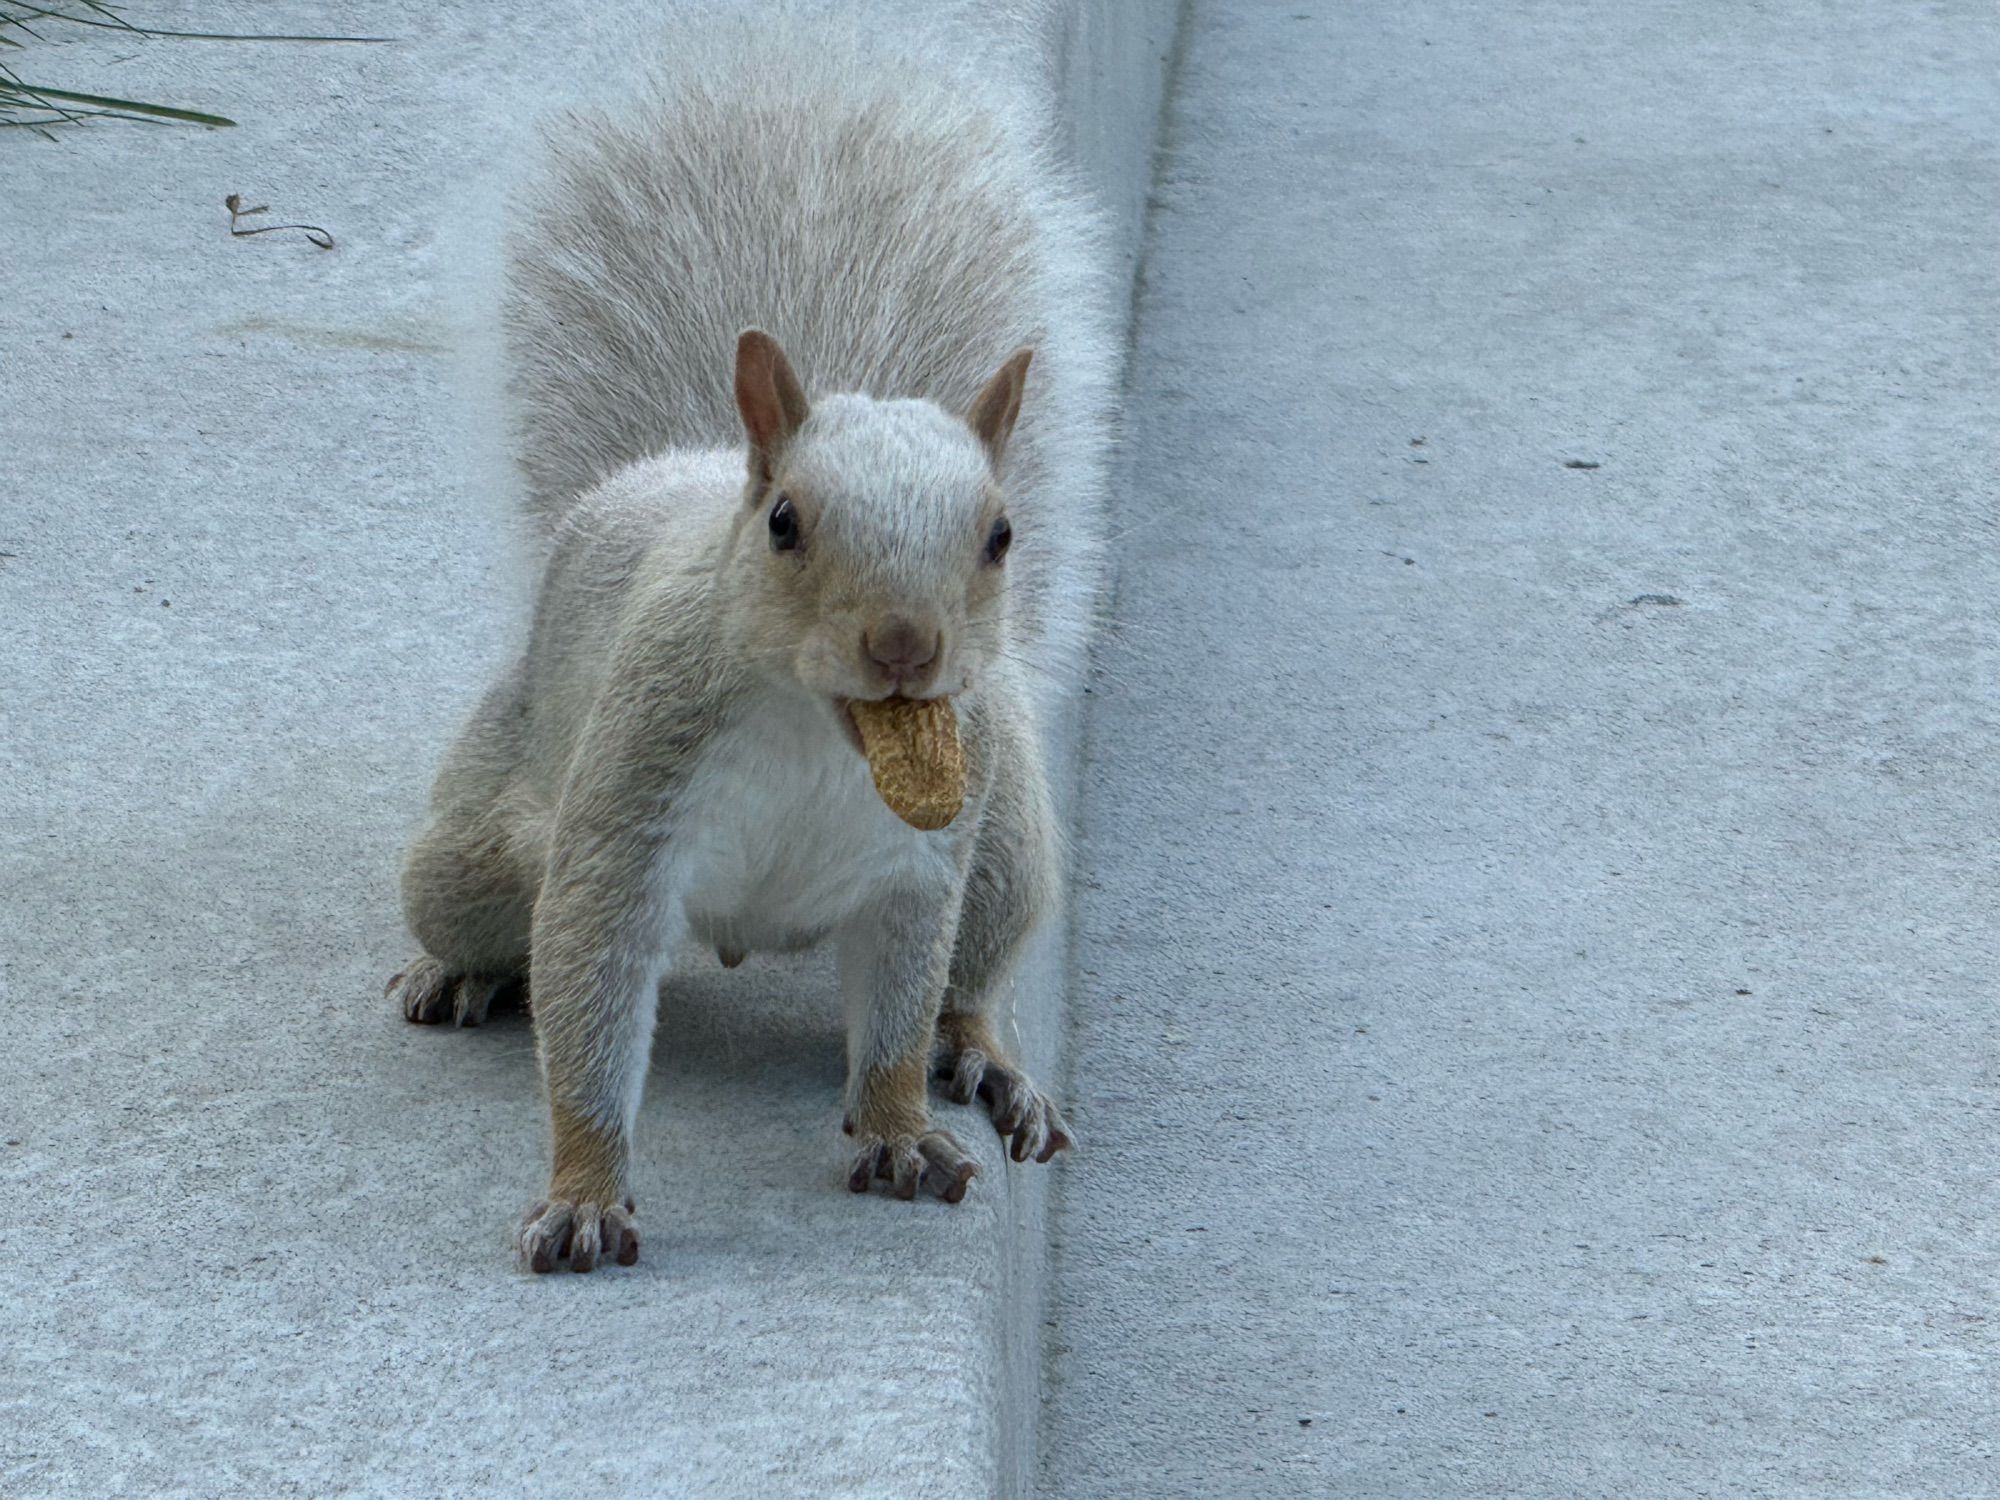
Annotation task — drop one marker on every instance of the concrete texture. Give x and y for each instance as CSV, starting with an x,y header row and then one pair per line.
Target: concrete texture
x,y
254,1234
1536,1028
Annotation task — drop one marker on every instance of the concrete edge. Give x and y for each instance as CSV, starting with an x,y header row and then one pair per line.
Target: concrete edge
x,y
1111,62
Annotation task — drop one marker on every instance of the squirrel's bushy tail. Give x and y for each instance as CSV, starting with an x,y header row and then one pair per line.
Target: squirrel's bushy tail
x,y
888,219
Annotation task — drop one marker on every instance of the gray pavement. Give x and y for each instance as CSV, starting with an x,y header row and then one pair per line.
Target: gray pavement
x,y
1535,1027
251,1223
1532,1031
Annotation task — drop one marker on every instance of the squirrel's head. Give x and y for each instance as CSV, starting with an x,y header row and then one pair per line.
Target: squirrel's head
x,y
870,557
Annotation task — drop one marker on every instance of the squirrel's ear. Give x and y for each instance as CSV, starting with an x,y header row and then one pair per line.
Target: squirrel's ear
x,y
992,415
769,396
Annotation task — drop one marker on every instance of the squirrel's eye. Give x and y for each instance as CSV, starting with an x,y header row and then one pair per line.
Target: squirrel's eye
x,y
997,540
784,525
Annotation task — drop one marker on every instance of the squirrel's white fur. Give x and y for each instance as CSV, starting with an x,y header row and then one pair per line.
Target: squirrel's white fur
x,y
894,225
672,756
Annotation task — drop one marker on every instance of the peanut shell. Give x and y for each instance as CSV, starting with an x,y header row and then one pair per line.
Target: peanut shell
x,y
915,757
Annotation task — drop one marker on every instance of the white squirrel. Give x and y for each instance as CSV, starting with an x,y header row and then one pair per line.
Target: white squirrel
x,y
732,561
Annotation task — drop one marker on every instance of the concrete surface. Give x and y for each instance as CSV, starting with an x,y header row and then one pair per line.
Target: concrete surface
x,y
1536,1032
254,1223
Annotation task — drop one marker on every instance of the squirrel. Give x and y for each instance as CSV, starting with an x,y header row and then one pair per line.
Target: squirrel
x,y
731,561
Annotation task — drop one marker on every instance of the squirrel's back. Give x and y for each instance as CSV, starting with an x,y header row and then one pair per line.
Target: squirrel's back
x,y
897,232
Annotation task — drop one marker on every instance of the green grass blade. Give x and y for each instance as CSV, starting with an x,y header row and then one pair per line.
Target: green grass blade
x,y
116,22
160,111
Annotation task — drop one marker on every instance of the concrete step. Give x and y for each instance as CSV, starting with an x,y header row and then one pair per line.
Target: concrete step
x,y
254,1236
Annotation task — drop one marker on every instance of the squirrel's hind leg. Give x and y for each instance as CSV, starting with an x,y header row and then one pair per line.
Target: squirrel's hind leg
x,y
1012,881
471,907
470,878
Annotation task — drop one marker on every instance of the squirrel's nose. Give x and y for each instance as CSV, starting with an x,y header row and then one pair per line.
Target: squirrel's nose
x,y
899,648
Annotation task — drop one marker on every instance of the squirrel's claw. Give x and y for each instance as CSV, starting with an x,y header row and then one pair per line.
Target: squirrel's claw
x,y
429,994
1020,1111
422,991
934,1160
555,1232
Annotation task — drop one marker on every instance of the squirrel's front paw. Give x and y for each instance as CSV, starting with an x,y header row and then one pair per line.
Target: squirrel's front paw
x,y
556,1231
934,1160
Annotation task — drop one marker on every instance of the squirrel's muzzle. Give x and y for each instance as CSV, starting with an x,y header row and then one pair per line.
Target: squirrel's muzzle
x,y
903,651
